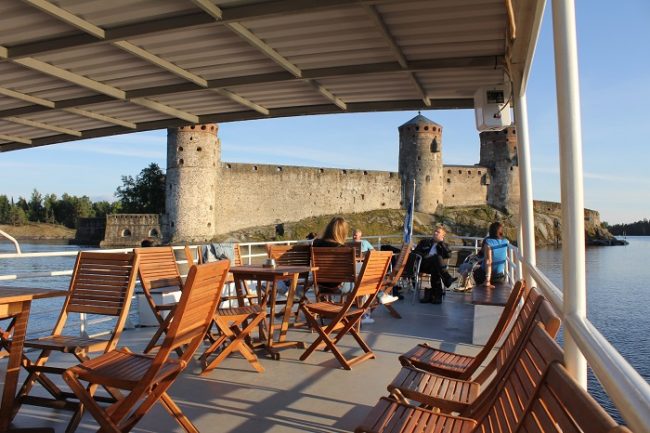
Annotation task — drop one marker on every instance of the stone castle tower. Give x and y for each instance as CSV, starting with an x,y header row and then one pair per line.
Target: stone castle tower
x,y
499,155
193,165
420,159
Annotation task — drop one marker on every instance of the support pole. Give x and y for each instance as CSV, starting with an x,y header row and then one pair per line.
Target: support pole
x,y
572,192
526,213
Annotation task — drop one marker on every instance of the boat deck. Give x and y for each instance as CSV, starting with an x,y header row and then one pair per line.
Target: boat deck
x,y
291,395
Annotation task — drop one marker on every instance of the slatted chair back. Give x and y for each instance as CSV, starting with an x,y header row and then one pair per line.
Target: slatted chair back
x,y
290,255
335,264
400,265
101,283
158,268
372,275
560,404
194,312
357,248
519,385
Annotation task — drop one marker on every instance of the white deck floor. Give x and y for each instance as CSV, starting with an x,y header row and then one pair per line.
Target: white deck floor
x,y
293,396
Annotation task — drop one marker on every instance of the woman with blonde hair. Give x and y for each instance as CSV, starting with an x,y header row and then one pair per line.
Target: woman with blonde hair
x,y
334,235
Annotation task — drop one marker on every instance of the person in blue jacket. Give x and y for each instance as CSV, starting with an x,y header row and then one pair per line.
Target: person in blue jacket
x,y
495,251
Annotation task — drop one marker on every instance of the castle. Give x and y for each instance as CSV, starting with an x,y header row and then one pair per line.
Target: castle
x,y
206,197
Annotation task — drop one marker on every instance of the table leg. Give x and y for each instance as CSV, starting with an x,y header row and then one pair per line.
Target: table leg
x,y
13,366
287,308
271,293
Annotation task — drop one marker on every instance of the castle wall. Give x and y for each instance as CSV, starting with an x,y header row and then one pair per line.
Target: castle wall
x,y
255,194
129,230
465,185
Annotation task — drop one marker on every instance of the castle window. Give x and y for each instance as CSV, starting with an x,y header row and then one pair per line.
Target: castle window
x,y
365,172
428,178
254,168
180,148
426,128
434,145
180,162
322,170
448,171
469,172
344,171
278,168
198,149
448,180
479,172
203,127
126,233
460,171
228,166
153,233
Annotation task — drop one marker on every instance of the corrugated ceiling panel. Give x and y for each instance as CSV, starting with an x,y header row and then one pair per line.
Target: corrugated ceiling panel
x,y
281,94
126,111
11,128
65,120
376,87
203,102
20,23
7,103
31,82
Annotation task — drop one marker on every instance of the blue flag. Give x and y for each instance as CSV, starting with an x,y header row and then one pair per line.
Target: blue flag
x,y
408,223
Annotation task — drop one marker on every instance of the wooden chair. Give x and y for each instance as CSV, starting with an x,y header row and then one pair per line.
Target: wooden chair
x,y
147,377
457,395
504,410
159,274
344,317
393,278
294,255
336,266
459,366
101,284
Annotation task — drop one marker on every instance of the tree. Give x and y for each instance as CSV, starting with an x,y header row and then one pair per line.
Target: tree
x,y
17,216
49,204
5,209
103,208
145,193
36,211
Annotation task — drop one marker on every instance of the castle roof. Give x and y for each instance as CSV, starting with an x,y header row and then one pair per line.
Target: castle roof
x,y
420,120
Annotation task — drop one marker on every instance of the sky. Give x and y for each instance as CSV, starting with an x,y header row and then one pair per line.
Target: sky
x,y
614,56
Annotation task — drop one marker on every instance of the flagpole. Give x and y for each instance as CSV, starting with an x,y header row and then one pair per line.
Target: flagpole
x,y
413,209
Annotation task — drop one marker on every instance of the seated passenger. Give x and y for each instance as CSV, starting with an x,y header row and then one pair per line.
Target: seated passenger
x,y
495,251
434,251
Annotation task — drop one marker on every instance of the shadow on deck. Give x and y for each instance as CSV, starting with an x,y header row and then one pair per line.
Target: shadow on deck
x,y
294,396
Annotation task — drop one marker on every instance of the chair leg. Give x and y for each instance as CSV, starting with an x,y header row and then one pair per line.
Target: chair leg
x,y
392,311
100,415
238,342
179,416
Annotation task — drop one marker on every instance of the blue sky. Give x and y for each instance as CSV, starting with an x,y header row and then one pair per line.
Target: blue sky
x,y
615,92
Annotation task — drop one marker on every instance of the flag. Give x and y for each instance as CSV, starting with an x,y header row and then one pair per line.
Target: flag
x,y
408,219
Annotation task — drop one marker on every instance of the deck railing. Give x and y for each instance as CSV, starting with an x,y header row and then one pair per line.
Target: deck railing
x,y
629,392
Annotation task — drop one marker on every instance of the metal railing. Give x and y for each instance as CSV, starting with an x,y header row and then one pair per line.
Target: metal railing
x,y
629,392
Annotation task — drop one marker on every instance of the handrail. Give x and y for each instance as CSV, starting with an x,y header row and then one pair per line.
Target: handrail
x,y
12,239
629,392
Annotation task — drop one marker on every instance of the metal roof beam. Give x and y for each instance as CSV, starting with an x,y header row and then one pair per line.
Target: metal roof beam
x,y
45,126
101,117
14,138
27,98
379,23
166,109
65,16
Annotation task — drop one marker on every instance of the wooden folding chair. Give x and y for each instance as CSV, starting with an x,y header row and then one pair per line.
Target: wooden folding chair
x,y
294,255
505,408
392,279
457,395
344,317
147,377
451,364
336,266
159,274
101,284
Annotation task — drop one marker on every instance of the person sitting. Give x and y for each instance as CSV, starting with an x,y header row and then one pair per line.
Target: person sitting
x,y
495,251
365,245
434,251
334,235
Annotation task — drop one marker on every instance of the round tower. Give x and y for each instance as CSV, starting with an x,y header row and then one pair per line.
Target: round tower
x,y
420,159
499,154
193,162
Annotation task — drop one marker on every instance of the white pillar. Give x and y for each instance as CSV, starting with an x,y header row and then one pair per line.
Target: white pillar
x,y
570,135
526,213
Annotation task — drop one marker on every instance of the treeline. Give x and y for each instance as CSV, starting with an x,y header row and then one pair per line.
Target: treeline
x,y
144,194
639,228
51,209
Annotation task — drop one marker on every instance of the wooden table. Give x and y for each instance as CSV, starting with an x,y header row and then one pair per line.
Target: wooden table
x,y
15,304
488,306
272,276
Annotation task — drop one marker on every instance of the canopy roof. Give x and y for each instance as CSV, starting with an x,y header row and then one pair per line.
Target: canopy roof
x,y
72,69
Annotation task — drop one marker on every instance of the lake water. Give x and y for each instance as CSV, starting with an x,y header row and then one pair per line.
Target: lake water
x,y
618,282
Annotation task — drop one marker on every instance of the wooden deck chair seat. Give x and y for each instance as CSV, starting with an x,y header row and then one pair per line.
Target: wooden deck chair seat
x,y
500,412
457,395
459,366
345,317
392,279
148,377
101,284
336,266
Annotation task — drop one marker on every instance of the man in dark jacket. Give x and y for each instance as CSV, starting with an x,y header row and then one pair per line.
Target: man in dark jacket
x,y
434,251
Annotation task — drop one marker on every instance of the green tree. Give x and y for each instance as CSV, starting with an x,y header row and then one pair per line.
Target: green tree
x,y
5,208
103,208
49,204
17,216
36,211
145,193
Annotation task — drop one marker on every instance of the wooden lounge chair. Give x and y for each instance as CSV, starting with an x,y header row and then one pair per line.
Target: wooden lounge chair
x,y
503,411
294,255
457,395
147,377
458,366
101,284
344,317
159,274
393,278
537,395
336,266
